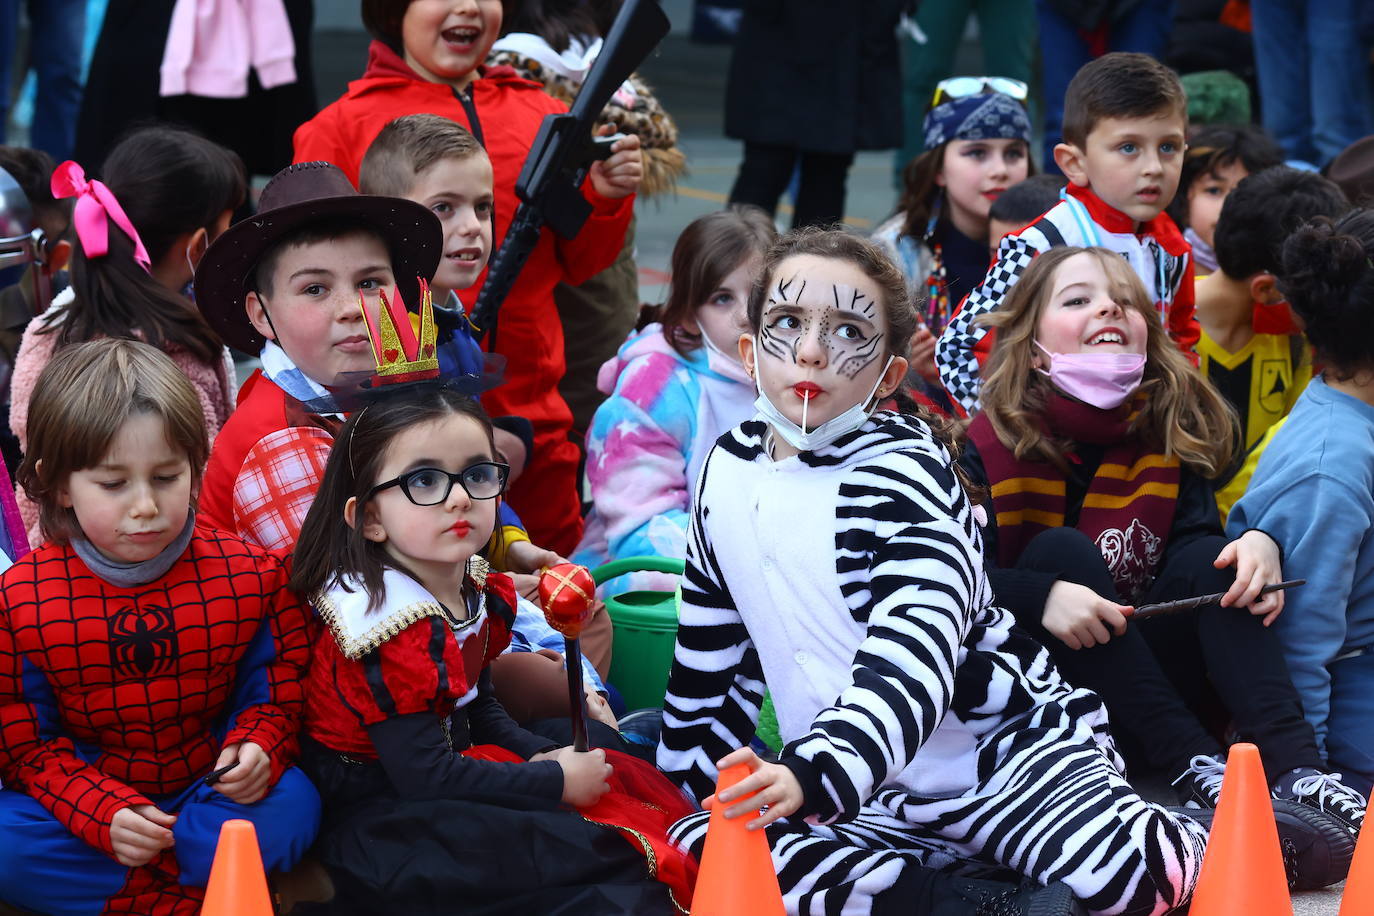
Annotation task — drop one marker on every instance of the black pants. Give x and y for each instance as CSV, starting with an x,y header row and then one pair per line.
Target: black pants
x,y
766,170
1157,678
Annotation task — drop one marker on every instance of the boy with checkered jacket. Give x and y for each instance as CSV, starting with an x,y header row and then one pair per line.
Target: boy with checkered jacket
x,y
1125,126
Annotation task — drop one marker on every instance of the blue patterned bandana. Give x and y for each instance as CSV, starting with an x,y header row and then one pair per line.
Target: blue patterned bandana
x,y
989,116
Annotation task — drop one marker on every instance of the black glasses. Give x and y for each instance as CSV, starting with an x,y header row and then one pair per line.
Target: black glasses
x,y
431,486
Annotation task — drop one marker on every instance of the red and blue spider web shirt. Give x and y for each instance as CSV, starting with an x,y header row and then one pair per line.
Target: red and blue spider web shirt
x,y
109,695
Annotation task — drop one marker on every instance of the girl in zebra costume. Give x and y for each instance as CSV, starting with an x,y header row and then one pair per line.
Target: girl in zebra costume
x,y
834,556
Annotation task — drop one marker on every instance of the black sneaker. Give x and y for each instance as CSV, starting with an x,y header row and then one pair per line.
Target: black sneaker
x,y
994,898
1326,793
1199,786
1316,849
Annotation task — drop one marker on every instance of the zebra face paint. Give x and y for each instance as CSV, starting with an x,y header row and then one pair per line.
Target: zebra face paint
x,y
821,344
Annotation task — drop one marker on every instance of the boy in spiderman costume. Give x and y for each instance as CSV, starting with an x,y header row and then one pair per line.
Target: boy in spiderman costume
x,y
150,667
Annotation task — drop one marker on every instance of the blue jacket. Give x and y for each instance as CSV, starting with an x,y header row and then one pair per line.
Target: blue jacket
x,y
1314,492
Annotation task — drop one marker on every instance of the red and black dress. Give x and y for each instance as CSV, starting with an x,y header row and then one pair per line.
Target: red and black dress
x,y
431,805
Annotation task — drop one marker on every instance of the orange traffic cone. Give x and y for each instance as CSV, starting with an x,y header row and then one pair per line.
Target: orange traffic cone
x,y
238,885
1358,898
1242,871
736,877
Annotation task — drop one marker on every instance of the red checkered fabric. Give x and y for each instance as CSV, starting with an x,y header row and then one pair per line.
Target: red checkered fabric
x,y
109,695
277,483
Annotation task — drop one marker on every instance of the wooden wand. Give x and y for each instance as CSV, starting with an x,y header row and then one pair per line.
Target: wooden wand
x,y
1187,604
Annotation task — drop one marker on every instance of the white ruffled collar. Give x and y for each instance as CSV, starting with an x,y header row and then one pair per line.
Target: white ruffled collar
x,y
358,631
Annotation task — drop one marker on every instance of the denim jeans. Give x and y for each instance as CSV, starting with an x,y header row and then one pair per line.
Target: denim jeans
x,y
1064,49
56,28
1313,75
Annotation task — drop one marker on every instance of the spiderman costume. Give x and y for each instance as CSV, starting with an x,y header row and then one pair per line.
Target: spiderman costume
x,y
112,696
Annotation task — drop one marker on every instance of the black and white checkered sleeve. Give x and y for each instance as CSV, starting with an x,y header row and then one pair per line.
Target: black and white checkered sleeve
x,y
954,355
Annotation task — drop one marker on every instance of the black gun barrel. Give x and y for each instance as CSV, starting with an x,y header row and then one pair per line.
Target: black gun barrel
x,y
557,162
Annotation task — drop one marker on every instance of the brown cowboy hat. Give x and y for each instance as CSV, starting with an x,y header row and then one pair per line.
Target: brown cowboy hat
x,y
300,194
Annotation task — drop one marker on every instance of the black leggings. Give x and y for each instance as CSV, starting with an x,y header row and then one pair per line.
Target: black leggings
x,y
766,170
1157,678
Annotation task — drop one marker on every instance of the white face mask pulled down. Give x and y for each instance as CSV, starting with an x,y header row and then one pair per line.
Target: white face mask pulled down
x,y
798,436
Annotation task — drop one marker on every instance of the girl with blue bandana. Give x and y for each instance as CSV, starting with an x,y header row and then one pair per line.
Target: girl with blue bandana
x,y
977,146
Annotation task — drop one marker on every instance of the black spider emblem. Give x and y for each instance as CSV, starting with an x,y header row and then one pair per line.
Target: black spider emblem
x,y
143,641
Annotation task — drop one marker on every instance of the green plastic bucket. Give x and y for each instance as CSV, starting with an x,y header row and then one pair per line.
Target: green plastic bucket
x,y
645,632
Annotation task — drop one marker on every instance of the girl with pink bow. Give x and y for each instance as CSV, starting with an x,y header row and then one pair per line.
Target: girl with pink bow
x,y
166,194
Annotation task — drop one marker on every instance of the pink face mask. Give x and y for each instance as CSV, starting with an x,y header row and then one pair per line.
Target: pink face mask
x,y
1104,380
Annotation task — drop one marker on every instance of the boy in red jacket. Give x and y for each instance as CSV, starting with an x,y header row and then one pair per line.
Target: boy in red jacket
x,y
426,60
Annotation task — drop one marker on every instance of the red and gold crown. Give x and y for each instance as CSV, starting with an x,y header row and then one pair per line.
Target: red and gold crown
x,y
404,349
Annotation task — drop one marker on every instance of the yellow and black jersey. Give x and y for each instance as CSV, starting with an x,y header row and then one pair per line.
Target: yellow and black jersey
x,y
1262,379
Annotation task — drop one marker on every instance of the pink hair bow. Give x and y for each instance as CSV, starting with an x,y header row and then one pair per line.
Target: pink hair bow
x,y
95,207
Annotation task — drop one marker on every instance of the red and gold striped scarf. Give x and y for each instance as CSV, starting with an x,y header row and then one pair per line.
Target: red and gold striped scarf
x,y
1129,505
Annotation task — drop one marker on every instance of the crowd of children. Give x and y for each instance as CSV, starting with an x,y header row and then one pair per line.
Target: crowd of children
x,y
919,483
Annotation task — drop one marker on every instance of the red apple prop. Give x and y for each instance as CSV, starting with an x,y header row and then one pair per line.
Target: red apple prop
x,y
566,593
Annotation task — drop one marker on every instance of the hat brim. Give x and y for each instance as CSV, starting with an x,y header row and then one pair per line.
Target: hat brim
x,y
414,239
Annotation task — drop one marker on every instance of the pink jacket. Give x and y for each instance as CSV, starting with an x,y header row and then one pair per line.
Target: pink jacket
x,y
216,387
212,43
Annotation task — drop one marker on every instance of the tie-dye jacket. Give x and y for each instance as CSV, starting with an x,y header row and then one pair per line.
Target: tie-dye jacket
x,y
646,446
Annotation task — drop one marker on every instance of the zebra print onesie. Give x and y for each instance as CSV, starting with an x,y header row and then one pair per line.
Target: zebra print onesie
x,y
923,728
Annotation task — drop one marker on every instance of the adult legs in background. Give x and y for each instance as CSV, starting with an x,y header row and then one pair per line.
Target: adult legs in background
x,y
1283,67
1339,77
820,195
1063,49
924,65
763,175
1350,722
56,31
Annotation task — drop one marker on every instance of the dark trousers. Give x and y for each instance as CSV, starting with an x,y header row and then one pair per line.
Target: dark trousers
x,y
766,170
1157,677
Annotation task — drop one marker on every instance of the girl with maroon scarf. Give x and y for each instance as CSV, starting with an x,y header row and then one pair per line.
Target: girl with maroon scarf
x,y
1098,441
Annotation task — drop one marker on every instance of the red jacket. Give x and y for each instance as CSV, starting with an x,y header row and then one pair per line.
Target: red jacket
x,y
530,335
266,466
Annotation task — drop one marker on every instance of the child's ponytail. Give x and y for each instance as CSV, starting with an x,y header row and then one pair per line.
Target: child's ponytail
x,y
169,182
1328,278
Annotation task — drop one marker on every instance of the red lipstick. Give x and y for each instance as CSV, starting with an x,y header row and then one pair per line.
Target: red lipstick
x,y
461,529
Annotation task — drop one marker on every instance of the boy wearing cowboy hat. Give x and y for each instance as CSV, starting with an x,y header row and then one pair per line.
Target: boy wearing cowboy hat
x,y
285,285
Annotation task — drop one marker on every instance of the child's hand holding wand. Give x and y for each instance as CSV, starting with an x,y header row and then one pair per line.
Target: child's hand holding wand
x,y
248,781
1258,562
770,784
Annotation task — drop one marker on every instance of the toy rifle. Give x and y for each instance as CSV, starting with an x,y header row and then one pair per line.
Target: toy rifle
x,y
550,183
1187,604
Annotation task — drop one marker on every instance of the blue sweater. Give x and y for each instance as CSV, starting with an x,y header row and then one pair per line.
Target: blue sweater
x,y
1314,492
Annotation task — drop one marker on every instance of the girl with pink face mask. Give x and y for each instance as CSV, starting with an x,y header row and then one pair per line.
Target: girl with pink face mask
x,y
1098,442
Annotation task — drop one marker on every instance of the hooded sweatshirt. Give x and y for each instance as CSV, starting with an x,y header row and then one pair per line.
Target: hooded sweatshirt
x,y
647,444
504,113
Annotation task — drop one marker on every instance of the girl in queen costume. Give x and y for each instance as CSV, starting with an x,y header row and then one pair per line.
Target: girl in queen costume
x,y
435,796
834,556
